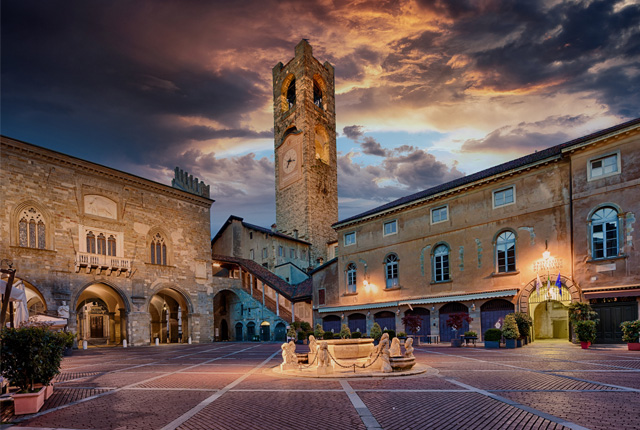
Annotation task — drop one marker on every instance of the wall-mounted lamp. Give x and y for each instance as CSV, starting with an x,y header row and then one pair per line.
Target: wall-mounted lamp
x,y
546,255
433,308
343,315
473,306
398,311
369,313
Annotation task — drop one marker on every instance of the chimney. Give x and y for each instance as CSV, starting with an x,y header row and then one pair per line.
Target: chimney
x,y
273,228
295,233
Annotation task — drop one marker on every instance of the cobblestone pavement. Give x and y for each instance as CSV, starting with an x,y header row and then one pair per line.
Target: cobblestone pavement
x,y
545,385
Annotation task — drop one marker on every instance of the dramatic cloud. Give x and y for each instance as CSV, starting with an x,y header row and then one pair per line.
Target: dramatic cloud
x,y
145,86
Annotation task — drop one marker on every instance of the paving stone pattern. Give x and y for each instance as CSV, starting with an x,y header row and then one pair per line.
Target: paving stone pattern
x,y
545,385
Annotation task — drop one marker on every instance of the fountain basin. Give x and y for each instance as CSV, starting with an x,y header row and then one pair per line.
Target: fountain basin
x,y
400,363
349,349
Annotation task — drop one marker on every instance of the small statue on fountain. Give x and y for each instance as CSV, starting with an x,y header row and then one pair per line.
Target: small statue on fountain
x,y
394,351
324,361
408,348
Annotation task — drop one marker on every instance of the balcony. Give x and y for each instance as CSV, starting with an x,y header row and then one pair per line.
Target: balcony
x,y
100,262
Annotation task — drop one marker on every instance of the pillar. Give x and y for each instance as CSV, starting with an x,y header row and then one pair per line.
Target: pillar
x,y
112,327
123,323
293,312
277,304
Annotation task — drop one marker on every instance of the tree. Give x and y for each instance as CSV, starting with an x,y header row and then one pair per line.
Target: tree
x,y
412,323
457,320
345,332
376,331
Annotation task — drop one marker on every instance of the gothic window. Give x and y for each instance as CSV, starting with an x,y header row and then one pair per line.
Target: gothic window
x,y
32,231
158,250
604,233
111,246
317,94
102,244
506,252
391,270
441,263
91,243
351,278
321,145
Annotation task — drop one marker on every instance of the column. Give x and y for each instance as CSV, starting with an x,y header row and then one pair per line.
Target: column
x,y
112,327
123,324
262,294
277,304
293,312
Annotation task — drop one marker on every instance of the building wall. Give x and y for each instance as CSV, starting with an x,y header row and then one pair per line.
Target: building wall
x,y
64,189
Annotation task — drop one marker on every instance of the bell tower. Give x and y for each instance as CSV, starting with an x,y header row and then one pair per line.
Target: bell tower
x,y
305,150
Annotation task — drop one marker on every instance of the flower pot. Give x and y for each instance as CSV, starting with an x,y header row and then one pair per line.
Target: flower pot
x,y
492,344
585,345
28,403
519,343
633,346
510,343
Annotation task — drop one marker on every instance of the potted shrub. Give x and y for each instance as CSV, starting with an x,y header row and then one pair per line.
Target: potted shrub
x,y
581,311
510,331
356,335
456,322
327,335
31,356
291,334
492,338
301,337
68,346
318,332
391,333
412,323
376,332
470,336
586,332
524,322
345,332
631,334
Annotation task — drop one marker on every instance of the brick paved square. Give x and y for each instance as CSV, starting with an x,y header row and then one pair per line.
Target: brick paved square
x,y
190,380
272,381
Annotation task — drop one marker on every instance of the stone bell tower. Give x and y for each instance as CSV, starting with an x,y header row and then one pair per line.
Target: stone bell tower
x,y
305,150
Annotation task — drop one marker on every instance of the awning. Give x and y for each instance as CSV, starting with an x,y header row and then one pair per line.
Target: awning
x,y
52,322
423,301
600,294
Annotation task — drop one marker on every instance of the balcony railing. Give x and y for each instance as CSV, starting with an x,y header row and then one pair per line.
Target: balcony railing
x,y
102,262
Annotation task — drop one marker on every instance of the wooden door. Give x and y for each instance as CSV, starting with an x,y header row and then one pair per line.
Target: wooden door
x,y
97,327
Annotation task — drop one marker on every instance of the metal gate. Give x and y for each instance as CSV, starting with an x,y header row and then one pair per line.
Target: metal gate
x,y
386,319
358,322
611,315
492,314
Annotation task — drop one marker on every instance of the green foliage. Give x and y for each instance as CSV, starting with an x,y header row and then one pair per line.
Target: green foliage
x,y
586,330
31,355
392,333
631,331
581,311
69,338
318,332
301,335
345,333
337,336
326,335
295,325
291,332
524,322
510,327
493,335
376,331
305,326
470,334
402,334
356,335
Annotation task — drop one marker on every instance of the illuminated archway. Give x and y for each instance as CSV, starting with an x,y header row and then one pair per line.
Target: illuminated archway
x,y
170,310
101,314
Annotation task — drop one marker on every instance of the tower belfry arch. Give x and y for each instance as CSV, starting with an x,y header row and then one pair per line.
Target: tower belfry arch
x,y
305,150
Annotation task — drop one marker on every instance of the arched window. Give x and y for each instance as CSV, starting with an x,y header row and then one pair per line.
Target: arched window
x,y
351,278
111,246
506,252
91,243
291,93
604,233
158,250
32,229
317,94
102,244
441,263
391,270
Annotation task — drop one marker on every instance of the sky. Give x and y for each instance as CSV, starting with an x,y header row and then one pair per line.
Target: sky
x,y
426,91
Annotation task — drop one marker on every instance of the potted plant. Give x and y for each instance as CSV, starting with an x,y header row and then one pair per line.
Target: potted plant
x,y
345,332
524,322
291,334
376,332
631,334
391,333
456,322
510,331
492,338
69,339
318,332
327,335
356,335
586,332
581,311
31,355
412,323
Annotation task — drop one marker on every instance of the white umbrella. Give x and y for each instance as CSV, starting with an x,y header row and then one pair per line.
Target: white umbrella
x,y
19,297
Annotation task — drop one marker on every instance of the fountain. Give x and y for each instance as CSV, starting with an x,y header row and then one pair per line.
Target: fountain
x,y
350,358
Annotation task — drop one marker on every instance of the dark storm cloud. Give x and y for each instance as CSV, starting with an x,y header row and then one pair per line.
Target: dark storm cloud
x,y
353,132
369,145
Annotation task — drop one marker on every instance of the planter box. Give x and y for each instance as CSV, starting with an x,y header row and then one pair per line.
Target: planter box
x,y
492,344
28,403
519,343
633,346
510,343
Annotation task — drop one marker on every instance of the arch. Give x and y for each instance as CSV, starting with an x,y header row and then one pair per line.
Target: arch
x,y
251,330
351,274
321,140
492,314
596,208
101,313
604,233
425,327
505,250
170,310
288,93
290,130
331,323
386,319
36,302
265,331
225,309
391,271
523,298
440,262
280,332
550,320
358,322
319,90
239,330
224,330
164,286
45,217
446,333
